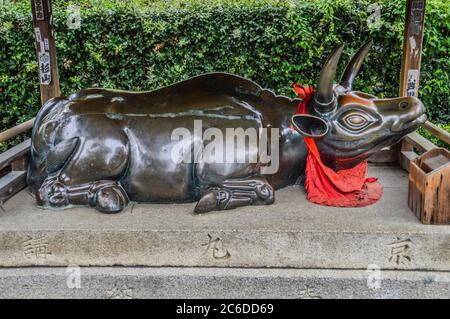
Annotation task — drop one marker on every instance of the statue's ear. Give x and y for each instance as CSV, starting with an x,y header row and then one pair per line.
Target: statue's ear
x,y
310,125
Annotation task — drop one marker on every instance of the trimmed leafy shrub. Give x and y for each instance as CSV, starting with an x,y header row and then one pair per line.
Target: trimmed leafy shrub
x,y
143,45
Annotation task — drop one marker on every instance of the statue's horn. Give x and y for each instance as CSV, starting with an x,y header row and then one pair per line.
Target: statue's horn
x,y
324,100
354,65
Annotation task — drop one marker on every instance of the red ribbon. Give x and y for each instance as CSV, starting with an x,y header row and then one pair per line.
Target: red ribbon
x,y
324,186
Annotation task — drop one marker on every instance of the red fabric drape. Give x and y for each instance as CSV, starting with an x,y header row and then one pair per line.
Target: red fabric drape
x,y
324,186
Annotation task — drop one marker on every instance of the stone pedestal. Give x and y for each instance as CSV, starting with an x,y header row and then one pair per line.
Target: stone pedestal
x,y
328,249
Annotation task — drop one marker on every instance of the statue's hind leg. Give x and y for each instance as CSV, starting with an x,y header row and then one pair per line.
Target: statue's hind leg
x,y
105,196
86,172
234,193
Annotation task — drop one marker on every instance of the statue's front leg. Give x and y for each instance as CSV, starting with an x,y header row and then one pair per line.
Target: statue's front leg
x,y
105,196
234,193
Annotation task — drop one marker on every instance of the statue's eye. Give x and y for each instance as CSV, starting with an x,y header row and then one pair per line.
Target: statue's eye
x,y
355,121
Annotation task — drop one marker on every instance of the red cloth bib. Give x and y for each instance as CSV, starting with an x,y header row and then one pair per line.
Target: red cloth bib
x,y
324,186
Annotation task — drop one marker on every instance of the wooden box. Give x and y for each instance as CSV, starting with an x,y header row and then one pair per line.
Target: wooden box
x,y
429,187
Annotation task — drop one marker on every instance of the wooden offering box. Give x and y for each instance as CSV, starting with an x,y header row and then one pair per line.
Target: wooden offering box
x,y
429,187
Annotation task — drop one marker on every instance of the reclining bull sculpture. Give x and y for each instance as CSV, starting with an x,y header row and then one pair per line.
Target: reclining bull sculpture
x,y
106,148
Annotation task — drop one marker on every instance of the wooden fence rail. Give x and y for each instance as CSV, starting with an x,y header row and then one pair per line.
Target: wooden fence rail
x,y
440,133
16,130
13,170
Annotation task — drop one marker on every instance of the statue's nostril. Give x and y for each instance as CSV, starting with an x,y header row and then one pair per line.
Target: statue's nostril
x,y
403,105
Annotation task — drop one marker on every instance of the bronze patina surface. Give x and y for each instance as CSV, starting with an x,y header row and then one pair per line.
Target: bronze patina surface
x,y
105,148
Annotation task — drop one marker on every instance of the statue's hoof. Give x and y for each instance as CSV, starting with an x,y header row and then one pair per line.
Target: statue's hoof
x,y
53,194
207,203
215,199
58,196
265,194
111,200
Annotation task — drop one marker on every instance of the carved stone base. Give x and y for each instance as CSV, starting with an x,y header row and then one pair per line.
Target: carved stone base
x,y
127,283
291,233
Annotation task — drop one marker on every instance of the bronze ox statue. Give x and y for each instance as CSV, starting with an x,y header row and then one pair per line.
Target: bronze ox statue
x,y
107,148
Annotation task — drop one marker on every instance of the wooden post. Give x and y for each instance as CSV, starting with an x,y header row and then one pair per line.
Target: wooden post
x,y
412,53
45,49
412,48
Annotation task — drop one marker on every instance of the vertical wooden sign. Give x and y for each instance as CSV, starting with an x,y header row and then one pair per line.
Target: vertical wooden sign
x,y
410,70
412,48
45,49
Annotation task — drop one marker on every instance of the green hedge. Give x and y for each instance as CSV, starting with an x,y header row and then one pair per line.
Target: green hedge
x,y
142,45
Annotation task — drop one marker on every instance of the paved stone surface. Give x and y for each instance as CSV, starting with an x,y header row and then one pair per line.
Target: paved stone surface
x,y
292,233
184,283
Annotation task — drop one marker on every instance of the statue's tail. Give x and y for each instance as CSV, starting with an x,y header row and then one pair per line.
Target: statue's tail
x,y
39,145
